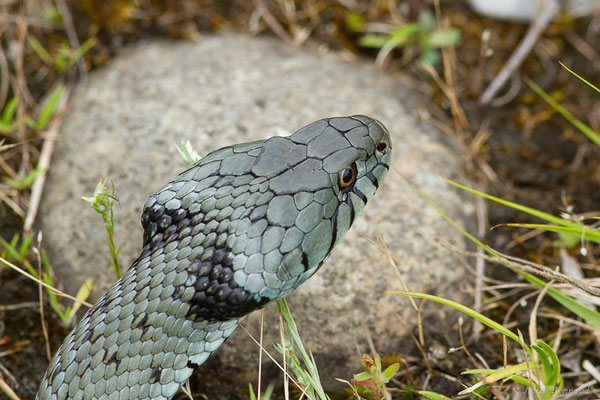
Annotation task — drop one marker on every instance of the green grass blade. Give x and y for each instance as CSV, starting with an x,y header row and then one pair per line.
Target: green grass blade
x,y
545,363
590,316
77,54
555,375
49,108
312,375
9,110
580,78
588,233
433,395
480,317
372,41
586,130
39,49
10,249
531,211
496,375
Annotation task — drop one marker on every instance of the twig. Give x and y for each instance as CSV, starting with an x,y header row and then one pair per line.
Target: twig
x,y
542,270
41,294
4,77
43,164
535,30
533,318
479,262
6,389
10,307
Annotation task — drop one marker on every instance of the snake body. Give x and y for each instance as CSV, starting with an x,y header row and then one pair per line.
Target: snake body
x,y
244,226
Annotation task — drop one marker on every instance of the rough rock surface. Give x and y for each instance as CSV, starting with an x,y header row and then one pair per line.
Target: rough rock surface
x,y
227,89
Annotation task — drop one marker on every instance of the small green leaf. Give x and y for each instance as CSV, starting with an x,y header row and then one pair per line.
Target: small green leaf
x,y
390,371
363,376
84,48
52,13
39,49
9,110
188,153
49,108
27,180
82,294
443,38
432,395
372,41
251,390
404,33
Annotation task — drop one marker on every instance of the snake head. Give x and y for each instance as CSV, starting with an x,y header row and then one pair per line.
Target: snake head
x,y
250,222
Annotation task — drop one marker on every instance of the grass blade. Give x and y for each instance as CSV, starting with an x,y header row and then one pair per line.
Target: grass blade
x,y
480,317
531,211
586,130
583,231
580,78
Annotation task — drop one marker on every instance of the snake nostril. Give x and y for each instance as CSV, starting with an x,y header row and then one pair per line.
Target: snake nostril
x,y
381,147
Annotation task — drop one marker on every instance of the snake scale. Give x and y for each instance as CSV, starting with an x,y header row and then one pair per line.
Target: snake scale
x,y
244,226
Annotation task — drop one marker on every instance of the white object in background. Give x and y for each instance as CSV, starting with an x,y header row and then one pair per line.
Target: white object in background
x,y
526,10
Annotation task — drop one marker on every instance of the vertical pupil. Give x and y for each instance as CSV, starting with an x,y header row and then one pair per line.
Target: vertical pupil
x,y
347,175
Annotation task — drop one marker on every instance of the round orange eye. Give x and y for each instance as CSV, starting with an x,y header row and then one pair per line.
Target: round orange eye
x,y
347,176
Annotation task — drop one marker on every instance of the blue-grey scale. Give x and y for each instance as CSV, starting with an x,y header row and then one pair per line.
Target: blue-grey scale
x,y
244,226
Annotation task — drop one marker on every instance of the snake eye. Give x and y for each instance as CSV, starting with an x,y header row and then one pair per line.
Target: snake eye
x,y
347,176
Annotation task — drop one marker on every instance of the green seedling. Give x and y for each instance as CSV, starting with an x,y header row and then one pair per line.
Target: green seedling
x,y
265,396
305,371
187,152
65,58
27,180
102,202
422,36
17,251
374,378
9,123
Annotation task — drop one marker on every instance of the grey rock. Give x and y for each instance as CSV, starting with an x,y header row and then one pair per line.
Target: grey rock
x,y
232,88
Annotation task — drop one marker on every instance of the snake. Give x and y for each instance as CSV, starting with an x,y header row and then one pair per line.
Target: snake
x,y
244,226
